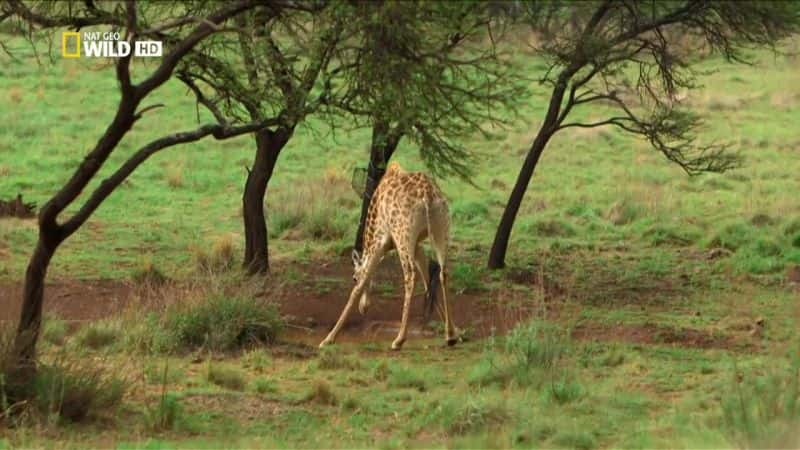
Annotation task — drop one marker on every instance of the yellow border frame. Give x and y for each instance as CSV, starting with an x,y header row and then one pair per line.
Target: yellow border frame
x,y
66,35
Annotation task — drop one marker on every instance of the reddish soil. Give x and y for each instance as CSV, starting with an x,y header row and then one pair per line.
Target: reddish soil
x,y
312,305
655,334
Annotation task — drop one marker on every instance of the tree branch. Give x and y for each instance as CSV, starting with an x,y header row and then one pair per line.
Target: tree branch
x,y
108,185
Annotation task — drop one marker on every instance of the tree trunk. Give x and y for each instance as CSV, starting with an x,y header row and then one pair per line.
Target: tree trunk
x,y
497,255
380,151
268,146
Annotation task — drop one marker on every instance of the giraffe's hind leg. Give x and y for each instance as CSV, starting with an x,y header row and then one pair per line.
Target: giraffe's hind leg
x,y
407,263
439,238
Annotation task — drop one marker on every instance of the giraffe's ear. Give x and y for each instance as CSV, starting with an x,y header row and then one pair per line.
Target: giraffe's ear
x,y
356,258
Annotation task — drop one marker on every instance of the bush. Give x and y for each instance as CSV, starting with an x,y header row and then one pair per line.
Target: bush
x,y
147,273
263,385
536,344
219,258
55,331
219,324
225,376
98,335
470,416
764,412
66,392
466,277
166,414
733,236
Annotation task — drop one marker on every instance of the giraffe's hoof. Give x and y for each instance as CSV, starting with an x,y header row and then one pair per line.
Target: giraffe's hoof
x,y
325,343
397,345
451,341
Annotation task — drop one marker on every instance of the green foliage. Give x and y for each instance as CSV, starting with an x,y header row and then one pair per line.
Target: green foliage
x,y
331,358
264,385
578,439
733,236
764,411
74,393
465,416
404,377
537,344
466,276
218,323
55,331
659,235
167,413
98,335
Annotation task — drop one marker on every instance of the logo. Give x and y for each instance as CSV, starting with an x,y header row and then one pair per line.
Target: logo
x,y
98,44
65,47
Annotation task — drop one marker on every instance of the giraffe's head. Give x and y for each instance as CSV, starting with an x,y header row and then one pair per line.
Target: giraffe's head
x,y
359,272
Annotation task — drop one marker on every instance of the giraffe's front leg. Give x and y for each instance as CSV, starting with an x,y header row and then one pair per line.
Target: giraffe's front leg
x,y
408,277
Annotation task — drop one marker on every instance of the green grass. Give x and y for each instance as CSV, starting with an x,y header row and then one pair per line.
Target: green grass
x,y
620,245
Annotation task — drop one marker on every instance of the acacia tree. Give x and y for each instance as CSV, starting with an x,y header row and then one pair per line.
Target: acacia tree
x,y
631,56
426,71
274,68
137,21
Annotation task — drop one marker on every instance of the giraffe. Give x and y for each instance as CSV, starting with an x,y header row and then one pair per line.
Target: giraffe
x,y
406,208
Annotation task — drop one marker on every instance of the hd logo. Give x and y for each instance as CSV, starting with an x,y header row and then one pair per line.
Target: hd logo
x,y
104,45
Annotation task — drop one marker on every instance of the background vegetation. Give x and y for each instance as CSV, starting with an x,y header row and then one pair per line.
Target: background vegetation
x,y
674,322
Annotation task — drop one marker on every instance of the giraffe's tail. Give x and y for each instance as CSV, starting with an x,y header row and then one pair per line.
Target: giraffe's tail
x,y
433,270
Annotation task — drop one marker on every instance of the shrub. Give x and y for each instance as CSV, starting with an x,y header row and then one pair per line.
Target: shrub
x,y
219,257
659,235
764,412
466,277
148,273
166,414
98,335
733,236
536,344
225,376
54,331
472,415
220,324
71,392
257,358
263,385
564,390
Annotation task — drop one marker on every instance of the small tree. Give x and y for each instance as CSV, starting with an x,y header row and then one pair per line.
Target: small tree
x,y
137,21
427,71
630,55
274,68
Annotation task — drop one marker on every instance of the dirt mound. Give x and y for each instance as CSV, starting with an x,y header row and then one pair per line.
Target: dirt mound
x,y
17,208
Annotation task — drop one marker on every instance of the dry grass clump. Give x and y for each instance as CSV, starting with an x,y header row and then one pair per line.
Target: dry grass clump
x,y
219,257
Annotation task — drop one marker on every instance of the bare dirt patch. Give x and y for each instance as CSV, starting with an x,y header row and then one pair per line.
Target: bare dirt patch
x,y
652,334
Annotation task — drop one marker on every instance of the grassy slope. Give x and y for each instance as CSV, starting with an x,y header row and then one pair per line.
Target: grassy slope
x,y
654,395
